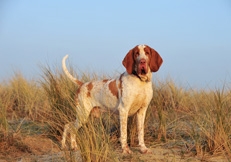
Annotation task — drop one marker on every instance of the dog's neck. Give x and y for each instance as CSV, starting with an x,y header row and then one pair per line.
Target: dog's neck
x,y
143,78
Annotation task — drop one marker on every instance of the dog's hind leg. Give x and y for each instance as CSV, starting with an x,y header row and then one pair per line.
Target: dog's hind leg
x,y
65,131
71,128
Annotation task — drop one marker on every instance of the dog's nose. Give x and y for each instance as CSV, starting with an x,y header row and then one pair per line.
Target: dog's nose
x,y
142,61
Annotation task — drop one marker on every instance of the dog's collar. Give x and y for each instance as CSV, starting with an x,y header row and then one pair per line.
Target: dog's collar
x,y
135,73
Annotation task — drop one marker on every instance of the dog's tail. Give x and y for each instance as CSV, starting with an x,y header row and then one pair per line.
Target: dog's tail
x,y
73,79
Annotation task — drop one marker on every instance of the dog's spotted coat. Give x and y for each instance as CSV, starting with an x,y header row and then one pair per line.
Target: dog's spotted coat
x,y
127,95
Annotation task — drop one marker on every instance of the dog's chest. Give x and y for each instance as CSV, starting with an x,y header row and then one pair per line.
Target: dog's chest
x,y
141,98
136,95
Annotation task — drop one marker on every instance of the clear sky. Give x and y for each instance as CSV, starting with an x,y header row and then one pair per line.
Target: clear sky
x,y
192,36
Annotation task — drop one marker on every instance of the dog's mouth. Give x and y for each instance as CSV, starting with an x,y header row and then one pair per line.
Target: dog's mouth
x,y
142,67
143,71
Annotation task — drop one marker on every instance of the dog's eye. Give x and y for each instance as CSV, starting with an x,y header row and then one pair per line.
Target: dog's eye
x,y
147,53
137,54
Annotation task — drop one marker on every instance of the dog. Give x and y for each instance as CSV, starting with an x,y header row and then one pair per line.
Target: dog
x,y
127,95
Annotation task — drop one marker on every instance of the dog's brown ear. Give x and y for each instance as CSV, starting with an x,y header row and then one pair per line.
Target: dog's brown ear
x,y
129,61
156,60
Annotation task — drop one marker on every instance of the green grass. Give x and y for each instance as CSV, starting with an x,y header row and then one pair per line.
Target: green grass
x,y
196,121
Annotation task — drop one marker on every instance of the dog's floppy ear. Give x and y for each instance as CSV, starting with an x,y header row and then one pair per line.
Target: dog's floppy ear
x,y
128,62
155,61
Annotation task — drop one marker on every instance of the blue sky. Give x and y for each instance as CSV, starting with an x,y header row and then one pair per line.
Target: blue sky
x,y
192,36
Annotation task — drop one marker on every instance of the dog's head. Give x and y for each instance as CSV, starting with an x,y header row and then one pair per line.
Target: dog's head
x,y
141,61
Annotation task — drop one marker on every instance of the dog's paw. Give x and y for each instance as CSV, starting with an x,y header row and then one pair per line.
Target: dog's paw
x,y
145,150
126,150
63,145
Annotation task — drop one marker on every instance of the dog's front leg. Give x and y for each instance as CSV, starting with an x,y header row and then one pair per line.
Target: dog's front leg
x,y
140,128
123,131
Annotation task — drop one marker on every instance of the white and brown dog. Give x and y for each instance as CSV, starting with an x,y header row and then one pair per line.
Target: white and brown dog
x,y
129,94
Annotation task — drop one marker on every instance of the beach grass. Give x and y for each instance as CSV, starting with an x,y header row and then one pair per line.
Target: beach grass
x,y
196,122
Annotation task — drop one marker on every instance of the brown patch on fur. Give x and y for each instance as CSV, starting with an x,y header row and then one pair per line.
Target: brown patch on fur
x,y
89,88
105,80
120,84
128,61
78,90
148,52
79,82
155,60
95,112
113,88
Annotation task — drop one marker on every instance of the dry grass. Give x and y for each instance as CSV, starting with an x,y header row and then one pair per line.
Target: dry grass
x,y
196,122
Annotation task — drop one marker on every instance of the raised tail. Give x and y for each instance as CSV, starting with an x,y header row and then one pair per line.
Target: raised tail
x,y
73,79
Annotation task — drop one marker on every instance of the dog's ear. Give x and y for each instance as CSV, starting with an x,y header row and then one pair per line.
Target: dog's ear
x,y
155,61
128,61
